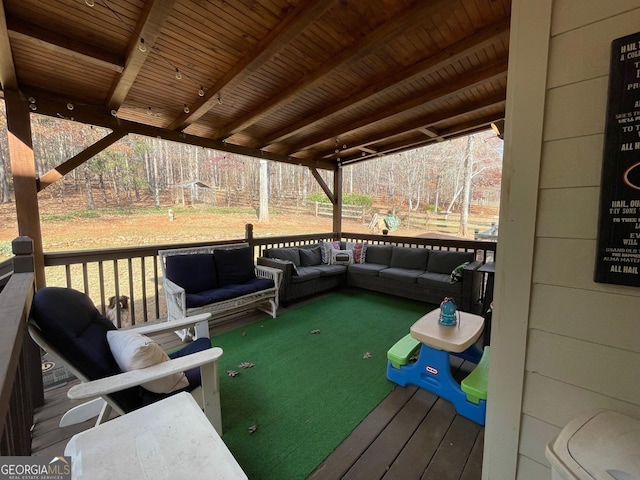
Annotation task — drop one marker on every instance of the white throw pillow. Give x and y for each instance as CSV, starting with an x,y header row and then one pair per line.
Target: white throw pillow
x,y
341,257
133,351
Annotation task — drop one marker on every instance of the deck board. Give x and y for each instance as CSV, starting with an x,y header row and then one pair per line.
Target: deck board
x,y
387,446
418,452
411,435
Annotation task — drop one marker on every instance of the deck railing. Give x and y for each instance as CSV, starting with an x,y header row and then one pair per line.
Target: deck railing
x,y
135,272
20,371
130,271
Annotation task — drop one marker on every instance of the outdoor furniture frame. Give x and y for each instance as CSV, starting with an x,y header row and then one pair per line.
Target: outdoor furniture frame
x,y
100,391
176,297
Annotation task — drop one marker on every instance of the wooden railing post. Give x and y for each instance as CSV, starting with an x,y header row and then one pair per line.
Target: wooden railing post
x,y
248,233
23,262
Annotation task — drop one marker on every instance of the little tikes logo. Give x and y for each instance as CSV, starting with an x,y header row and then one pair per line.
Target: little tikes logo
x,y
35,468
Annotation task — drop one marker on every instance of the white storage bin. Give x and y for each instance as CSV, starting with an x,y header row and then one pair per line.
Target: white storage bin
x,y
601,445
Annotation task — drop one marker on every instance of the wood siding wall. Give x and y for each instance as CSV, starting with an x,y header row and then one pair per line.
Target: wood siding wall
x,y
582,339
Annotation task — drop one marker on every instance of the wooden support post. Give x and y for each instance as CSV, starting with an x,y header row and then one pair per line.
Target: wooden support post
x,y
337,205
23,169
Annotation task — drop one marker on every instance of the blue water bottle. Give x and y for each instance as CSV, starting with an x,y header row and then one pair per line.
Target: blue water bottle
x,y
448,311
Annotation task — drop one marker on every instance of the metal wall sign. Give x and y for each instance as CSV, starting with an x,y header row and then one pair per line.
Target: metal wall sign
x,y
618,249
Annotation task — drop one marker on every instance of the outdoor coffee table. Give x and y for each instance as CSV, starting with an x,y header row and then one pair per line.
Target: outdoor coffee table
x,y
169,439
432,370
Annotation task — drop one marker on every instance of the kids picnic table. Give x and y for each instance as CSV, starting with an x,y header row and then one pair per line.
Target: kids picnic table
x,y
431,370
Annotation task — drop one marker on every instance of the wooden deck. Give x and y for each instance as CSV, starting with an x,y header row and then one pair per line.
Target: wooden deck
x,y
412,434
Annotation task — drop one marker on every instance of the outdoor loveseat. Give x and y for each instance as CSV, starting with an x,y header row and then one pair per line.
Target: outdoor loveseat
x,y
418,273
216,279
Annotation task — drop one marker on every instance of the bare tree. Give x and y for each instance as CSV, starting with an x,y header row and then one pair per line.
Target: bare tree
x,y
263,210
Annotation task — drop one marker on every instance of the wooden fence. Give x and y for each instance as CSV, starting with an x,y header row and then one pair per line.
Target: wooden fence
x,y
353,212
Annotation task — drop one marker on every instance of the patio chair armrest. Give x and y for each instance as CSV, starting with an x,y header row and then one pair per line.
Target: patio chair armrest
x,y
473,266
176,300
122,381
270,272
161,327
285,266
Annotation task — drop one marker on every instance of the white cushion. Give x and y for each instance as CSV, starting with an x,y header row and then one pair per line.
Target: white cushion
x,y
133,351
341,257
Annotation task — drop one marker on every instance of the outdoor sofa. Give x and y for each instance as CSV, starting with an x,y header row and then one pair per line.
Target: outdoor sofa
x,y
418,273
217,279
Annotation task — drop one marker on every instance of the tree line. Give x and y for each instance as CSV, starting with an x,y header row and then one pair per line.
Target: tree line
x,y
447,176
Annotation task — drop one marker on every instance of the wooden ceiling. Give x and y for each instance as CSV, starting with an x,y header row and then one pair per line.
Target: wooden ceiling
x,y
321,83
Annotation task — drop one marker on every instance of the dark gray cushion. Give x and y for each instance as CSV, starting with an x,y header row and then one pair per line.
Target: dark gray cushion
x,y
441,282
310,256
403,275
305,274
286,253
442,261
380,254
329,270
412,258
367,269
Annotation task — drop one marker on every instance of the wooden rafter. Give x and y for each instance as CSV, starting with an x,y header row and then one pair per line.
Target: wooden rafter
x,y
459,130
95,115
293,24
149,27
60,43
445,57
61,170
472,108
447,91
405,20
323,185
8,76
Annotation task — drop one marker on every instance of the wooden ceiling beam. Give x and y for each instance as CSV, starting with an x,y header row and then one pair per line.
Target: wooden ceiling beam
x,y
448,56
149,26
457,131
323,185
366,149
292,25
59,43
469,108
61,170
418,15
8,76
49,104
467,82
429,133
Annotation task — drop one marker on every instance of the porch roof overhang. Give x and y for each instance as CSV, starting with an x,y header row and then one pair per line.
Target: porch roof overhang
x,y
321,83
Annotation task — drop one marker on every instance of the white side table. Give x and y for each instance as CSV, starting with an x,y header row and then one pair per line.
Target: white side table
x,y
169,439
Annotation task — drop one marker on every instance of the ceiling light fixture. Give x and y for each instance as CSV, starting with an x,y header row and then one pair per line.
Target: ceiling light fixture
x,y
90,3
186,108
141,46
69,106
178,74
201,92
148,110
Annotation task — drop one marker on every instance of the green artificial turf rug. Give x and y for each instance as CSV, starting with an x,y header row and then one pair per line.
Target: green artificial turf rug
x,y
306,379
